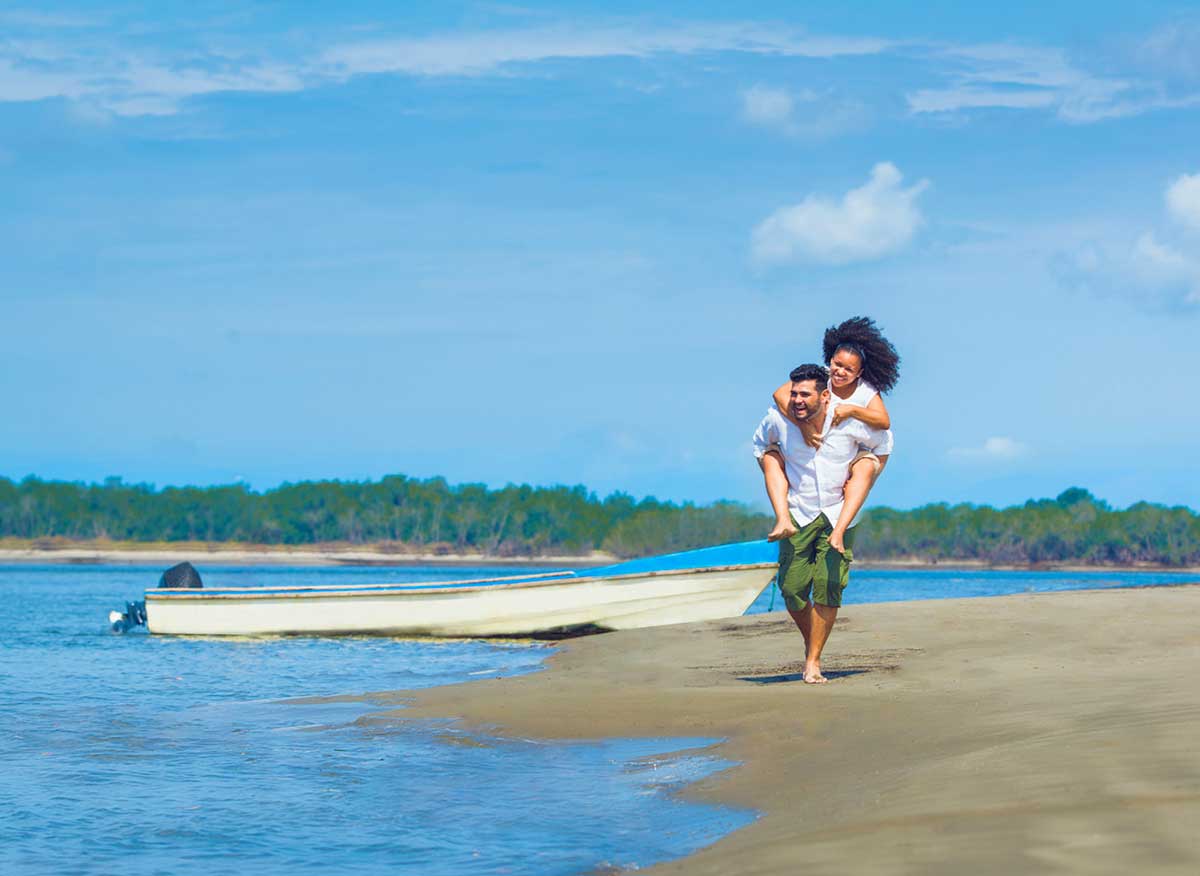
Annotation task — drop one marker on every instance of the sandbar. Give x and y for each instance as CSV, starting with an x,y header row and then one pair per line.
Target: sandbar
x,y
1038,733
166,554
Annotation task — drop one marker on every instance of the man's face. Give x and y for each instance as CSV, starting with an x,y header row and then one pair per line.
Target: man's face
x,y
808,402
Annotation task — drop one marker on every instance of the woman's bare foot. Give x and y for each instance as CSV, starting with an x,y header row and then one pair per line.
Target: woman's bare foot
x,y
837,540
783,529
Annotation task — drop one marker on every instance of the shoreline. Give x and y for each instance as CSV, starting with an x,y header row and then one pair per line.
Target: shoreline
x,y
956,735
254,556
109,553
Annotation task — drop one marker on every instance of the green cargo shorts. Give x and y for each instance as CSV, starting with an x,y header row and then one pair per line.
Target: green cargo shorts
x,y
809,567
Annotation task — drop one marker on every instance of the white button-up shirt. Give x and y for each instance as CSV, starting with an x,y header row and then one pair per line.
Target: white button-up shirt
x,y
817,477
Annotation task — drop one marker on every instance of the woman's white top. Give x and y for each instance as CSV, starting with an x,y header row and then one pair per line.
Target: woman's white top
x,y
862,395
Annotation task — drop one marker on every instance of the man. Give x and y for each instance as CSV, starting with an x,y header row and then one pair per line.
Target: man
x,y
812,575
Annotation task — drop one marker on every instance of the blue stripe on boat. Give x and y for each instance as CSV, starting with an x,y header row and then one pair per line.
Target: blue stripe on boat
x,y
738,554
743,553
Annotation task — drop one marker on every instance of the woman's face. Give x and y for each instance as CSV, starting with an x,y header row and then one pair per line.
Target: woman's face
x,y
844,368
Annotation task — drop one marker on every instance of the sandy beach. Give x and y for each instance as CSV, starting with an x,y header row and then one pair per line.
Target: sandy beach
x,y
1041,733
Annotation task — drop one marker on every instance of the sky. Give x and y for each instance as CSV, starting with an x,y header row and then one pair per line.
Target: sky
x,y
582,243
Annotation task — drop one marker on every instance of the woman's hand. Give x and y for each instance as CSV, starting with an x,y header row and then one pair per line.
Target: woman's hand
x,y
845,412
813,438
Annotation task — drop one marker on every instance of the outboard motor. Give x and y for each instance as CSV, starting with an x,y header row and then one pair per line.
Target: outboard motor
x,y
133,616
181,577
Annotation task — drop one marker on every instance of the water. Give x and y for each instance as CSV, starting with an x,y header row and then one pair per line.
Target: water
x,y
897,585
142,754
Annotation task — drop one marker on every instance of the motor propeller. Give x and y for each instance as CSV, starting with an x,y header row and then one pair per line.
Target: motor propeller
x,y
133,616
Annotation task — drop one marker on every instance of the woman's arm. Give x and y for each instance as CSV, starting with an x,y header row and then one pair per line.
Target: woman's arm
x,y
783,401
875,414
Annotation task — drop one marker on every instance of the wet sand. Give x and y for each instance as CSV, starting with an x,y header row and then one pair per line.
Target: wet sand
x,y
1041,733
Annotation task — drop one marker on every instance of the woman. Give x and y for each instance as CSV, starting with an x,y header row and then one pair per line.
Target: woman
x,y
862,364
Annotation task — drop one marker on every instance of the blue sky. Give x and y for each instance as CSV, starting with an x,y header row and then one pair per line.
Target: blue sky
x,y
581,243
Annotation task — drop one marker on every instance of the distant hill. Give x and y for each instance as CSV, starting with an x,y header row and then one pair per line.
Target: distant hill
x,y
432,515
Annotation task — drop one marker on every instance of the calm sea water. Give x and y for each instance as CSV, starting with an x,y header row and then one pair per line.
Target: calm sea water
x,y
142,754
879,585
139,754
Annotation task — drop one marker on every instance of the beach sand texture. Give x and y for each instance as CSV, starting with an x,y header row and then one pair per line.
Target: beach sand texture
x,y
1042,733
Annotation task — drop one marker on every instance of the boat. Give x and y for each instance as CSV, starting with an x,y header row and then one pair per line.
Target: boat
x,y
697,585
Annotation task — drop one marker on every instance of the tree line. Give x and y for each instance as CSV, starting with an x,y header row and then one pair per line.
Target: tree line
x,y
432,515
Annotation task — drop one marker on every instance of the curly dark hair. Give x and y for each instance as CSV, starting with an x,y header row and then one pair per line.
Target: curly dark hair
x,y
860,335
811,372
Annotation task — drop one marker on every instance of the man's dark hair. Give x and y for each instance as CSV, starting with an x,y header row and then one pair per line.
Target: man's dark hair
x,y
811,372
860,335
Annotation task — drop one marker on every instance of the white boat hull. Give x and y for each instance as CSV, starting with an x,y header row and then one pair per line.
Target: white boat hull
x,y
473,609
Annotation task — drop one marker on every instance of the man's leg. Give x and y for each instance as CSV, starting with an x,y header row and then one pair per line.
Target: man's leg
x,y
831,574
863,474
777,490
823,618
797,556
803,621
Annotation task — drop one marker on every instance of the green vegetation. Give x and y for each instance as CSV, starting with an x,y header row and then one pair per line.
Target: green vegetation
x,y
431,515
1075,527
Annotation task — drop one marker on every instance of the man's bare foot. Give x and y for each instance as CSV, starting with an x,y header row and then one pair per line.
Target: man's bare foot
x,y
837,540
812,675
783,529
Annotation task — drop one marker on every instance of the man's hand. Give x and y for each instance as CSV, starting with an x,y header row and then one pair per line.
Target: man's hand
x,y
783,529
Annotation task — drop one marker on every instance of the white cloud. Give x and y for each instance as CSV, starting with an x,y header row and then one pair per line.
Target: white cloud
x,y
24,84
869,222
767,106
74,59
998,448
1150,268
129,82
134,86
1173,48
37,18
1160,266
1146,270
944,100
1183,200
1028,77
778,109
478,53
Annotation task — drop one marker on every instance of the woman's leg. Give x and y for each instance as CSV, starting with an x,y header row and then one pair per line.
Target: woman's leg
x,y
777,490
863,475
